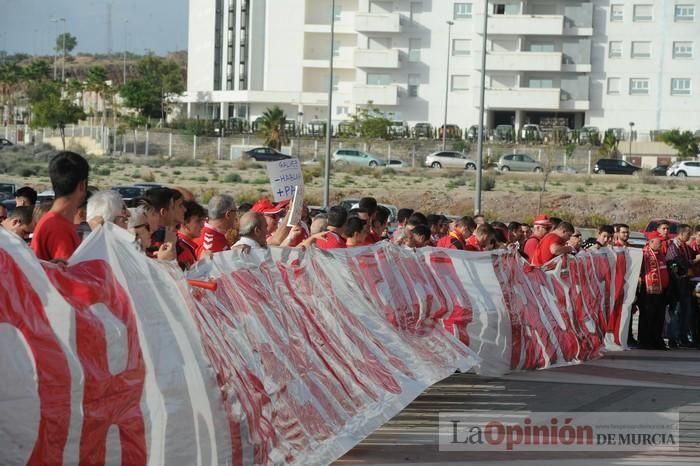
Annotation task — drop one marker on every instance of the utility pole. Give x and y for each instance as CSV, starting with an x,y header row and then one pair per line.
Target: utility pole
x,y
447,84
55,48
329,133
126,22
480,137
63,63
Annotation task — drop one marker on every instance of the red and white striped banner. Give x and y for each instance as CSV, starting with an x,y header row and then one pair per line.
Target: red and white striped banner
x,y
293,359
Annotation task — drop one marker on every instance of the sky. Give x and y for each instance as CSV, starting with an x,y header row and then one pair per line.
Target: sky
x,y
156,25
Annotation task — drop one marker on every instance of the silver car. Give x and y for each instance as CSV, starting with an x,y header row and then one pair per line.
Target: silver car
x,y
449,159
518,163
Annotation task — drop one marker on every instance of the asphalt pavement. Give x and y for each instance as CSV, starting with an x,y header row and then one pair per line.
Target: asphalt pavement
x,y
630,381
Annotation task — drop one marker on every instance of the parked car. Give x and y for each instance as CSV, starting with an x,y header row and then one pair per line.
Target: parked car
x,y
654,223
45,196
504,133
531,132
423,130
395,163
453,132
518,163
5,143
683,169
129,193
7,190
266,154
357,157
10,205
146,186
659,170
398,129
615,167
449,159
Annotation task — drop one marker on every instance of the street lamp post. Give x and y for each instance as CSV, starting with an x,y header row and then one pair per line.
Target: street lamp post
x,y
55,49
327,177
629,155
482,92
126,22
447,84
63,62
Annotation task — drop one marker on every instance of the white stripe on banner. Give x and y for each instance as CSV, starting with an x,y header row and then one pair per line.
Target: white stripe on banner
x,y
293,359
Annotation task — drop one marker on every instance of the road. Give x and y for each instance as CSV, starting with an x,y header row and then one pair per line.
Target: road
x,y
636,380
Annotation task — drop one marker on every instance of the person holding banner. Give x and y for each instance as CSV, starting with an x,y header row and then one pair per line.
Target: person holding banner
x,y
553,244
55,237
188,232
540,228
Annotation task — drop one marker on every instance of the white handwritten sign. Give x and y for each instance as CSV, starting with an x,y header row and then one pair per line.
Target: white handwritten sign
x,y
284,176
297,205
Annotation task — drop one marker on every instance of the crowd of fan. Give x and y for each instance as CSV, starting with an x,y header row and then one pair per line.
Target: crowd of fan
x,y
168,224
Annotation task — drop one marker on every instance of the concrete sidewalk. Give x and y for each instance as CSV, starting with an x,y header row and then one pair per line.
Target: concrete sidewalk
x,y
637,380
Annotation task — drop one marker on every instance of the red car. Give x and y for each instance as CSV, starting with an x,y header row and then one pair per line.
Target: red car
x,y
653,224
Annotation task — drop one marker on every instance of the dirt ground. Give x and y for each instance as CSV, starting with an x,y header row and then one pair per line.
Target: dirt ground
x,y
585,200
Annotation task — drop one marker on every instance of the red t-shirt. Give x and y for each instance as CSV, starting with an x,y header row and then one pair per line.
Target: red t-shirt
x,y
450,242
543,252
530,246
333,241
186,251
54,238
372,238
472,244
211,240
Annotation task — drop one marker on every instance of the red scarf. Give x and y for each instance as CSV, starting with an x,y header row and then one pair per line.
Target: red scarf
x,y
655,272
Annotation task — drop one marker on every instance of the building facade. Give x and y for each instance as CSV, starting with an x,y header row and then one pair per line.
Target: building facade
x,y
601,63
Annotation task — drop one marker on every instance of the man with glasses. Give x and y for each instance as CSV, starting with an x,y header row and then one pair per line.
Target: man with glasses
x,y
222,218
541,227
622,235
20,222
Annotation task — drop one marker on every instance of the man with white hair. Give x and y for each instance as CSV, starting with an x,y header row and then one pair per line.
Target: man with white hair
x,y
253,231
222,217
106,206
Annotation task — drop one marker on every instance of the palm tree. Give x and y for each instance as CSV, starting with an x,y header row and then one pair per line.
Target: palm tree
x,y
272,127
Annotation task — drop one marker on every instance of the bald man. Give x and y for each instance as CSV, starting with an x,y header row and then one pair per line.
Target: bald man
x,y
253,231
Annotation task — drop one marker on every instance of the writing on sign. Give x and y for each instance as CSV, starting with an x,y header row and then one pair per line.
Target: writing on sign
x,y
284,176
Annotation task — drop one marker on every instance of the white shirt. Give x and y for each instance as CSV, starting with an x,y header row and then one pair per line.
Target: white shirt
x,y
246,241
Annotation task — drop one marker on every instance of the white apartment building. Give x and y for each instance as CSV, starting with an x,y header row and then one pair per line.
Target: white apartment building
x,y
603,63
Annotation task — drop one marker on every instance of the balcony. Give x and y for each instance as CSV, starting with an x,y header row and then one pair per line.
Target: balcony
x,y
521,98
377,94
366,58
524,61
377,22
523,25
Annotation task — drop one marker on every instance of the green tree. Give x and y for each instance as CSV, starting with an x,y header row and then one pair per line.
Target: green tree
x,y
684,142
51,110
156,81
70,43
609,146
38,70
272,127
96,82
10,84
370,124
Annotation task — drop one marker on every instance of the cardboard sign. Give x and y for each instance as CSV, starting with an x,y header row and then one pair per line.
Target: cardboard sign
x,y
296,206
285,175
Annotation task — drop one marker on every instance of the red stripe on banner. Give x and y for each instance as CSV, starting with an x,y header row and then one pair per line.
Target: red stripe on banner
x,y
616,314
21,308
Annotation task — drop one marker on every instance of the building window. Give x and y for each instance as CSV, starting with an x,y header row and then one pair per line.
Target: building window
x,y
376,79
613,86
643,12
413,83
416,7
680,86
463,11
682,50
639,86
615,49
617,12
414,46
341,110
461,47
540,83
641,49
460,82
684,13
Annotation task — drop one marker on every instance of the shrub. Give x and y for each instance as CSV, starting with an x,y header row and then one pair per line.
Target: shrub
x,y
588,182
647,178
148,176
580,189
531,188
621,186
177,172
103,171
260,181
455,183
232,178
202,179
488,182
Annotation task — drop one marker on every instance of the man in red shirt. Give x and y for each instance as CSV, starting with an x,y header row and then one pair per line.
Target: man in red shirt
x,y
663,228
335,239
553,244
541,227
188,232
55,237
168,203
480,239
458,232
622,235
222,217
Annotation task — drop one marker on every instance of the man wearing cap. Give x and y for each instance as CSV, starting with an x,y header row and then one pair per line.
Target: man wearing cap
x,y
654,284
553,244
222,218
541,227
